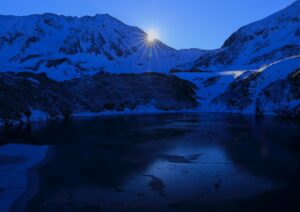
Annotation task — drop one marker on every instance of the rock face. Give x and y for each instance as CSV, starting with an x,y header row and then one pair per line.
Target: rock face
x,y
67,47
263,42
23,93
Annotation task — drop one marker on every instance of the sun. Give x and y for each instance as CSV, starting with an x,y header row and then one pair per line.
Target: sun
x,y
151,36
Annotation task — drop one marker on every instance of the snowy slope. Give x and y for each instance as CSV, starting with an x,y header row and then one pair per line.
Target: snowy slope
x,y
67,47
259,56
209,85
263,42
274,89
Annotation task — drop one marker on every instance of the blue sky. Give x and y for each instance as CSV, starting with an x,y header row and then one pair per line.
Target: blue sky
x,y
181,23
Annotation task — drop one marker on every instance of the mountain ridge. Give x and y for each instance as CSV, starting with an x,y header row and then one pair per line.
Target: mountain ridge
x,y
97,64
262,42
84,45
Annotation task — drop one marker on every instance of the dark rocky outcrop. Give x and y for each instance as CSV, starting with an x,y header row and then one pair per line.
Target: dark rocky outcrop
x,y
22,92
238,95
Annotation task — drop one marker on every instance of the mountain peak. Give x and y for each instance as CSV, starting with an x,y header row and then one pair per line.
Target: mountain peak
x,y
65,47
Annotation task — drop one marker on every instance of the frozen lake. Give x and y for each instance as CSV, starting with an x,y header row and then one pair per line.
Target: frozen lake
x,y
175,162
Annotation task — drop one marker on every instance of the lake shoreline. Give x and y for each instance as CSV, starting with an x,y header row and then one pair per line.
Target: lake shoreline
x,y
32,188
83,115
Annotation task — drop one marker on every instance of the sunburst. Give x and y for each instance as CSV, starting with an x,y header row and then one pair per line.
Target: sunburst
x,y
152,35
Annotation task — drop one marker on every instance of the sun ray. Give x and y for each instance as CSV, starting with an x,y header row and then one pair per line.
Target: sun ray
x,y
148,45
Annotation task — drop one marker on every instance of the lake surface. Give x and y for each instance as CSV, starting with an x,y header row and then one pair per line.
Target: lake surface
x,y
170,162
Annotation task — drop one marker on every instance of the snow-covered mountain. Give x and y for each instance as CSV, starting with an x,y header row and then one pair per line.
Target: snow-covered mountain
x,y
255,71
260,43
67,47
75,65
